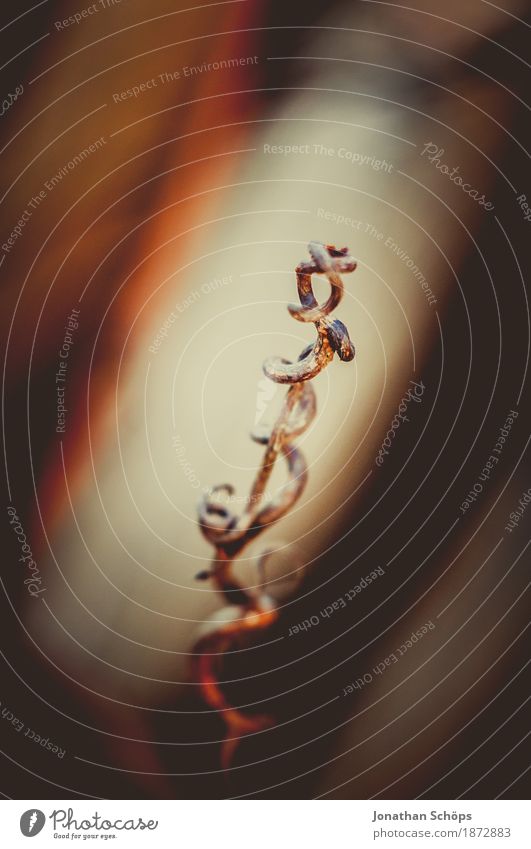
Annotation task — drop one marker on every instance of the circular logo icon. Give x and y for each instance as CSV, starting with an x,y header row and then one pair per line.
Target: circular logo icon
x,y
31,822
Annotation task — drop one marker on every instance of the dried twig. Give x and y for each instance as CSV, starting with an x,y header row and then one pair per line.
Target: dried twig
x,y
251,609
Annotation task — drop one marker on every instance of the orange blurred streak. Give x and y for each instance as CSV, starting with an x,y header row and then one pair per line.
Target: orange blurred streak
x,y
182,183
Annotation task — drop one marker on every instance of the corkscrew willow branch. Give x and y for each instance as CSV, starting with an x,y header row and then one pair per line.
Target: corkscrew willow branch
x,y
251,610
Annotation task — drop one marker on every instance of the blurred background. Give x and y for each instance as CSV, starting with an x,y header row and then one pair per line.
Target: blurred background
x,y
163,170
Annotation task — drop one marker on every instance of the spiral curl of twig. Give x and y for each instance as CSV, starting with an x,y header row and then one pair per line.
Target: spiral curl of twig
x,y
252,610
